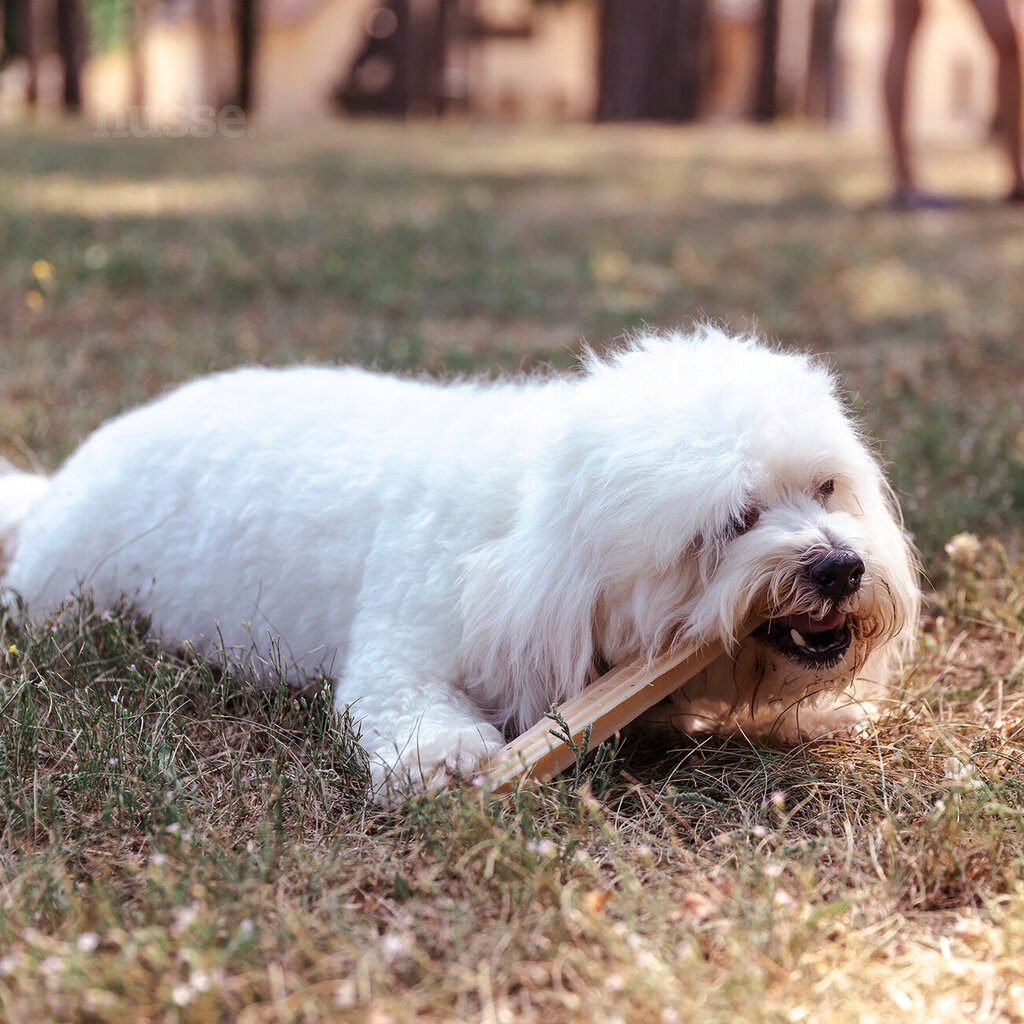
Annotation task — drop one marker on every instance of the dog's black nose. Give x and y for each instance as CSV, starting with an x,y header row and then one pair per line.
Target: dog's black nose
x,y
838,574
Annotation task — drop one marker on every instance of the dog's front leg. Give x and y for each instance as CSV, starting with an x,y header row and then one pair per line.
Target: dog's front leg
x,y
417,736
418,728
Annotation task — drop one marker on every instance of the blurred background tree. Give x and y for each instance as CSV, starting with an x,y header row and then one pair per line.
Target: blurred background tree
x,y
652,59
606,60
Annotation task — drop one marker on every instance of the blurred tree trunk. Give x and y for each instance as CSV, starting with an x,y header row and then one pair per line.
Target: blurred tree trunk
x,y
429,52
693,23
822,67
22,13
246,28
651,59
210,87
765,90
136,51
72,42
400,67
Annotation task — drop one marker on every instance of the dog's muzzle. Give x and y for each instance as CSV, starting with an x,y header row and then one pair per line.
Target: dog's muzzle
x,y
819,641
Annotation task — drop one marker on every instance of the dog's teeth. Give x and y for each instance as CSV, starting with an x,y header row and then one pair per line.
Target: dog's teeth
x,y
797,638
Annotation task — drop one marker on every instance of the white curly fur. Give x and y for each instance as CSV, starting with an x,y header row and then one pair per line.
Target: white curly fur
x,y
460,556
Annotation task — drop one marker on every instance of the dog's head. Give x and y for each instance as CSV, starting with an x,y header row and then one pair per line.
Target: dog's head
x,y
686,483
744,487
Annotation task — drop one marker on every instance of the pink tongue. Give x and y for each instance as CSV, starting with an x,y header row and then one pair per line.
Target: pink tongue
x,y
805,624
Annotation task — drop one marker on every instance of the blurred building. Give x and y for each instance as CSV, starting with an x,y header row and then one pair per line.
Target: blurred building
x,y
528,59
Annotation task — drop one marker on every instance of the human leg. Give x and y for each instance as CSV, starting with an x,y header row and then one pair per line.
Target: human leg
x,y
905,17
998,24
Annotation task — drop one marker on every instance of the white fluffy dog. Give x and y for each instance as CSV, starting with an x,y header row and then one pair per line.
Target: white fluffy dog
x,y
461,556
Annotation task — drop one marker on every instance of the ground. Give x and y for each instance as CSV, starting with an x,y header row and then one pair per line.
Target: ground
x,y
176,846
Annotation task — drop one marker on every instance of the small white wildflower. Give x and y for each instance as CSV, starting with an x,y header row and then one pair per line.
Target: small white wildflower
x,y
670,1015
963,550
759,831
345,995
158,859
246,927
87,942
199,981
394,947
51,965
613,983
173,828
183,917
646,959
181,995
7,965
958,772
634,941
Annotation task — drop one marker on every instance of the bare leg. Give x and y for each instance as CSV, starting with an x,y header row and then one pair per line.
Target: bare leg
x,y
998,22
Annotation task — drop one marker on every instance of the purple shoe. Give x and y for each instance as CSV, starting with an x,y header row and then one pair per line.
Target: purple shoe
x,y
917,199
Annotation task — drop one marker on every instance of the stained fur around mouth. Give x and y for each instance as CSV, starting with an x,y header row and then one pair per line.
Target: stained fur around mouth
x,y
820,650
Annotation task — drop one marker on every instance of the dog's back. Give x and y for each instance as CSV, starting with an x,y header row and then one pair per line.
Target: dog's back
x,y
215,506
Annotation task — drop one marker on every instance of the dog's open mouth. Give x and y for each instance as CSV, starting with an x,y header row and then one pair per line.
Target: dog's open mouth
x,y
818,643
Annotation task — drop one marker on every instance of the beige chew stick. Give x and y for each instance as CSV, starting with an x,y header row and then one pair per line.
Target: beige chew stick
x,y
607,705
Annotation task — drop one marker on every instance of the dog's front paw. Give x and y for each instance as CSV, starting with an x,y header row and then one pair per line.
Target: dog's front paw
x,y
431,760
820,723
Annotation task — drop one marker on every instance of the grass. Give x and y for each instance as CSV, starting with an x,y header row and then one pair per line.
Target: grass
x,y
176,845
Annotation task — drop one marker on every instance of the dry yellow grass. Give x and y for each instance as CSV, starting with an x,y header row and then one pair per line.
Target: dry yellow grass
x,y
174,846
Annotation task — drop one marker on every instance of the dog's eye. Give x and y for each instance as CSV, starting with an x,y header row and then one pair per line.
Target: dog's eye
x,y
746,520
827,488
